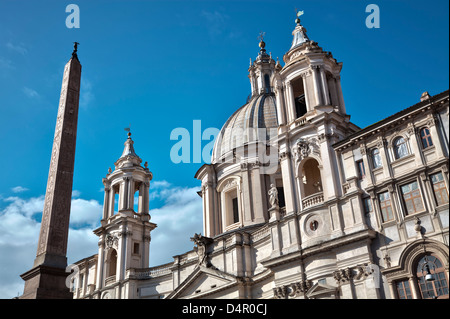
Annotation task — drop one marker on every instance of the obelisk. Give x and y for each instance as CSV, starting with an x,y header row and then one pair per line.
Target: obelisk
x,y
47,278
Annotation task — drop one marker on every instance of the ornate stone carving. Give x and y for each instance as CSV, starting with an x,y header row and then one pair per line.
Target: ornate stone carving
x,y
112,241
280,292
304,147
292,290
343,275
202,243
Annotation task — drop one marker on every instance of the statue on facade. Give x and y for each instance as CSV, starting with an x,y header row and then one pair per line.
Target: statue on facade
x,y
273,196
202,242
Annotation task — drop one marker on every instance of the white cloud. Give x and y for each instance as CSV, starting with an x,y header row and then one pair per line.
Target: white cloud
x,y
25,207
160,184
30,92
86,93
85,213
20,48
6,64
76,193
19,233
178,218
215,22
19,189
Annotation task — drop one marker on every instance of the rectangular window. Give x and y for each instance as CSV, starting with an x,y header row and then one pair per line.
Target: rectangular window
x,y
235,210
386,206
426,138
412,198
361,169
136,248
439,189
376,158
403,289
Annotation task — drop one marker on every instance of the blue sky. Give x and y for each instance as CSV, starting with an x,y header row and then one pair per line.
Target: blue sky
x,y
160,65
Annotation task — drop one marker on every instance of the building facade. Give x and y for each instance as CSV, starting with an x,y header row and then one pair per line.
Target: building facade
x,y
298,202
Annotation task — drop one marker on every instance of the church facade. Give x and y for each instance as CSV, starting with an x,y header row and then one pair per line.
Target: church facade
x,y
298,202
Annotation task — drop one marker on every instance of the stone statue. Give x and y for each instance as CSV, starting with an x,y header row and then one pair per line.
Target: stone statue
x,y
202,242
273,196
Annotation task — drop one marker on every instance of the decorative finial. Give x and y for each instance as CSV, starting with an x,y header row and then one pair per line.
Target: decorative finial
x,y
75,49
262,44
299,14
128,129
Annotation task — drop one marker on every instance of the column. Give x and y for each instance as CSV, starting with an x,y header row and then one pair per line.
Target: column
x,y
141,204
305,90
327,174
131,191
247,195
106,202
259,203
123,194
290,102
414,287
332,88
146,248
384,157
100,262
365,159
412,138
112,199
392,290
339,93
431,123
280,105
326,95
206,217
288,184
317,90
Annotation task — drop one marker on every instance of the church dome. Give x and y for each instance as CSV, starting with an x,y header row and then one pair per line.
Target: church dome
x,y
251,123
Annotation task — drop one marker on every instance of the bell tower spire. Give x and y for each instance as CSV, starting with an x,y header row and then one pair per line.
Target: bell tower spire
x,y
311,77
124,235
261,70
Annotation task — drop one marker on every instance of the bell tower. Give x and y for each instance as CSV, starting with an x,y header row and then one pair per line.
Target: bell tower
x,y
261,70
310,79
124,235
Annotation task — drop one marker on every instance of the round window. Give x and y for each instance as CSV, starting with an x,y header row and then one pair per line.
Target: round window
x,y
314,225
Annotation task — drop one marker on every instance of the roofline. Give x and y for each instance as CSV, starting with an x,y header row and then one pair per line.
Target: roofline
x,y
392,117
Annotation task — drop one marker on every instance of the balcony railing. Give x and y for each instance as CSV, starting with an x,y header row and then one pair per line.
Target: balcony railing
x,y
312,200
110,280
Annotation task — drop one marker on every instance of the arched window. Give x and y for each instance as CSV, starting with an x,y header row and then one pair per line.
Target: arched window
x,y
425,136
376,158
400,148
431,278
